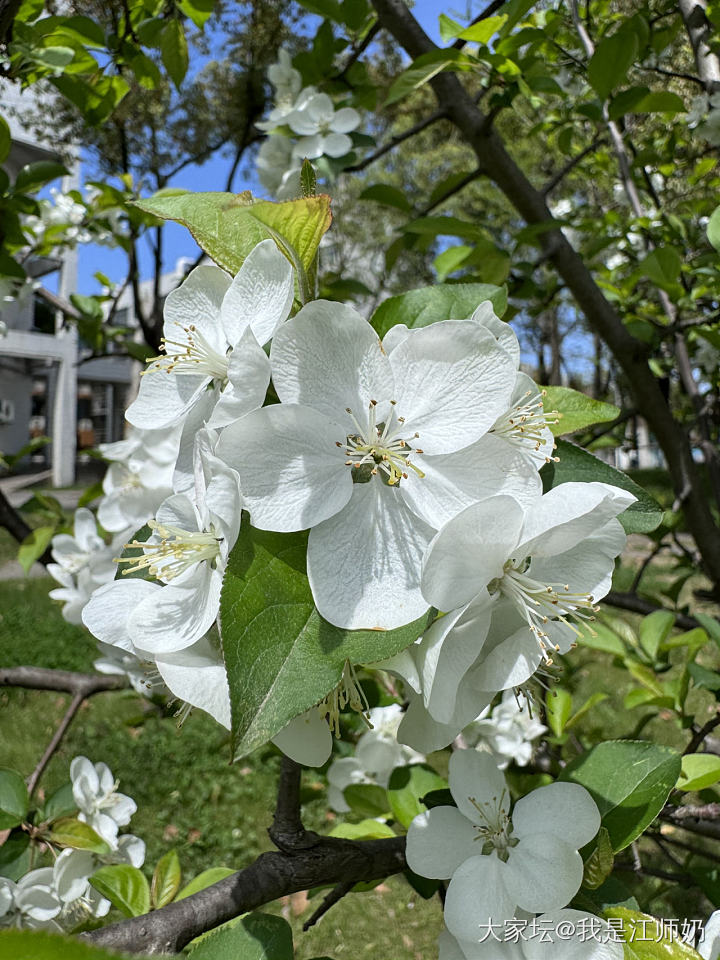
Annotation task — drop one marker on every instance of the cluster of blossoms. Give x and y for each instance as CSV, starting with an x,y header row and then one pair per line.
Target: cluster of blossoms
x,y
414,463
61,896
302,124
65,221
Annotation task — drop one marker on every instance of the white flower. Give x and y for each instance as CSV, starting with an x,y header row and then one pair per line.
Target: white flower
x,y
356,451
71,875
284,108
377,753
508,732
324,130
139,478
100,805
285,78
709,946
562,935
214,369
82,563
32,902
188,550
497,863
521,584
306,739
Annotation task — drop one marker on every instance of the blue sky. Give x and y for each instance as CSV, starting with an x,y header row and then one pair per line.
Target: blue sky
x,y
211,176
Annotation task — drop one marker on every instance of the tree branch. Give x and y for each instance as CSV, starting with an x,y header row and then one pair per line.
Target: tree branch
x,y
699,735
394,141
330,899
330,860
701,36
459,107
287,831
629,601
570,166
72,709
64,681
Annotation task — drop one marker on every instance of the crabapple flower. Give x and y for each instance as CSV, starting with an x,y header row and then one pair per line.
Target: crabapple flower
x,y
213,369
507,731
497,863
306,739
377,753
277,170
562,935
285,78
100,805
188,551
323,129
139,477
32,902
345,452
83,562
521,583
709,946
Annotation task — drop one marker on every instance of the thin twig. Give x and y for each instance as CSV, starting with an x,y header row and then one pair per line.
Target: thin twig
x,y
469,178
287,831
64,681
699,735
569,166
72,709
394,141
659,547
489,10
629,601
336,894
358,51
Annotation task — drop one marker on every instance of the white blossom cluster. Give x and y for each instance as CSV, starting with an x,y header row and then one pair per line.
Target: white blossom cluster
x,y
704,117
303,123
413,462
64,221
61,896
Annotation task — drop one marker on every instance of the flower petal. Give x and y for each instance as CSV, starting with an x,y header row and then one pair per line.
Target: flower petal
x,y
562,810
586,568
260,296
364,563
455,480
475,781
249,376
452,382
306,739
543,873
197,302
164,398
503,332
330,358
477,896
104,614
470,551
345,120
336,144
572,934
197,676
438,841
292,474
179,615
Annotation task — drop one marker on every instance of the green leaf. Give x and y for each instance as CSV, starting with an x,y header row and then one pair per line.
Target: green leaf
x,y
660,101
281,656
388,196
662,266
611,61
449,29
645,938
577,464
228,226
124,570
591,702
5,140
704,678
713,229
94,491
166,880
444,301
451,260
15,855
60,804
38,945
629,780
174,51
483,31
406,788
558,704
654,631
36,175
577,411
258,936
599,864
444,225
78,835
34,546
367,799
699,770
197,10
125,887
308,179
13,799
424,68
203,880
365,830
